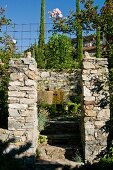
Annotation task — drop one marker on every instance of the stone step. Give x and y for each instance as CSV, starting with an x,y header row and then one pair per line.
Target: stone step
x,y
57,165
61,127
48,152
64,139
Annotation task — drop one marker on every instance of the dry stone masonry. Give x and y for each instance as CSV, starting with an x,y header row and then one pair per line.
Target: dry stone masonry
x,y
51,81
24,82
22,99
96,110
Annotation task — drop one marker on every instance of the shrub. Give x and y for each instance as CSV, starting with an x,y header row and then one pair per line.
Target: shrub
x,y
42,118
59,52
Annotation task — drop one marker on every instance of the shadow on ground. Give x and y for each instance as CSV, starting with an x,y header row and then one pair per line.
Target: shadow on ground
x,y
11,160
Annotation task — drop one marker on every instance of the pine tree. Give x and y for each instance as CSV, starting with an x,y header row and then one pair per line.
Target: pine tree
x,y
42,25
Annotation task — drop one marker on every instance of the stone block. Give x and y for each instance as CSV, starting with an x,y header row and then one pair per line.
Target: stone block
x,y
13,88
31,74
16,83
27,101
89,100
85,77
18,106
88,65
26,88
30,83
29,61
90,113
104,113
13,125
90,138
3,137
13,112
25,113
17,76
99,123
32,68
29,120
94,71
18,133
86,91
89,107
45,74
13,100
16,94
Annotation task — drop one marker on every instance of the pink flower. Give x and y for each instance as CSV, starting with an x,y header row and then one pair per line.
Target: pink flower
x,y
56,14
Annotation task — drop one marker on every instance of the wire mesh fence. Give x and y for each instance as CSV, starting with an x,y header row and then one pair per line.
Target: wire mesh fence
x,y
26,35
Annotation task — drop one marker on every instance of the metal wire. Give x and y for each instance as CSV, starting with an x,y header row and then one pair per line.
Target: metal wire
x,y
26,34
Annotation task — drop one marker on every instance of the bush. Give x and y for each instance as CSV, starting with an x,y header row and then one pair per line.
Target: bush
x,y
42,118
59,52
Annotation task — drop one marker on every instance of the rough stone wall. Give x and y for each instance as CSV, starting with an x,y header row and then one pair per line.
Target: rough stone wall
x,y
67,80
96,110
22,99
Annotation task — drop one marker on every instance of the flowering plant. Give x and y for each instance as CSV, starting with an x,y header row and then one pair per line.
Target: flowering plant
x,y
56,14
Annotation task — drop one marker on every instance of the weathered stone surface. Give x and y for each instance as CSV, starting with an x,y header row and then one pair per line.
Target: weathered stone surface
x,y
13,112
16,94
89,107
86,91
16,83
27,101
30,83
96,114
104,113
90,113
22,98
45,74
13,125
88,65
18,106
31,74
16,76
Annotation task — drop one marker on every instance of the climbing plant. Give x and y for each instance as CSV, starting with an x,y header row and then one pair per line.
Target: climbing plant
x,y
6,52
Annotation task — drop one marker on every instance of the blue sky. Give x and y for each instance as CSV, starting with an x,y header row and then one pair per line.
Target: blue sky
x,y
28,11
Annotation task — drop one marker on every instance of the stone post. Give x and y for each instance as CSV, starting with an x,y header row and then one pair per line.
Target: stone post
x,y
22,98
96,110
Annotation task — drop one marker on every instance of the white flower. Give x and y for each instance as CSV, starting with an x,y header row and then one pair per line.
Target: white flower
x,y
14,41
60,15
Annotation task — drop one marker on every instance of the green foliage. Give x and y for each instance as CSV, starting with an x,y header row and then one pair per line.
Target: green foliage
x,y
77,157
3,19
7,51
42,117
107,28
39,54
59,54
42,139
107,161
4,77
111,90
73,108
38,152
60,110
